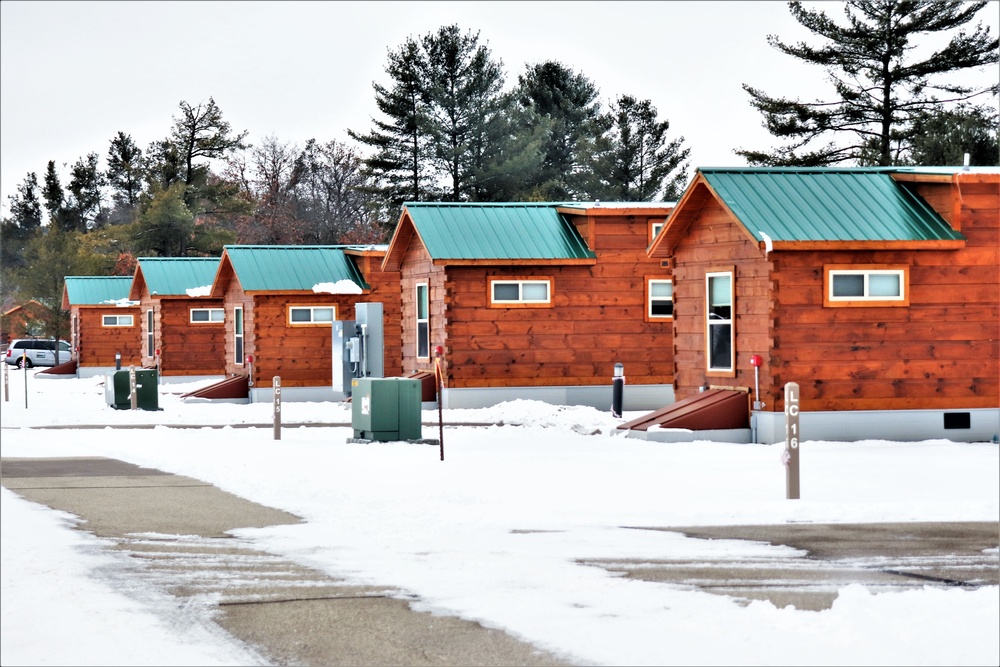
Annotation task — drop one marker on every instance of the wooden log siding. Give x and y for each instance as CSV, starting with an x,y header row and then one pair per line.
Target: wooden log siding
x,y
418,268
597,319
715,242
301,355
236,297
99,344
186,348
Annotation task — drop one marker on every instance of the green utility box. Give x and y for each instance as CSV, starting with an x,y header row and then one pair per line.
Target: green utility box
x,y
385,408
147,395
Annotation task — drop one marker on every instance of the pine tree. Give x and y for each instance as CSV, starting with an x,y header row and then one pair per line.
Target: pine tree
x,y
125,175
639,163
84,210
464,86
880,89
567,103
398,164
52,193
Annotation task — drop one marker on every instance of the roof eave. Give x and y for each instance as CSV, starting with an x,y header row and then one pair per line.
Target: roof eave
x,y
906,244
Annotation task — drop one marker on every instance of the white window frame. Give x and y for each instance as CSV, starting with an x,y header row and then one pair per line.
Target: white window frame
x,y
238,340
655,228
117,321
521,300
711,322
830,274
422,301
215,315
150,335
313,321
650,299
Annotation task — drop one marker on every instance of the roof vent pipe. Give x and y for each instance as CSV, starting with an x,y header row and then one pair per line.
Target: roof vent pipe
x,y
965,165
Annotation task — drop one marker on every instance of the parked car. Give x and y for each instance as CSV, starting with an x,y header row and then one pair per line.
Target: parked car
x,y
36,352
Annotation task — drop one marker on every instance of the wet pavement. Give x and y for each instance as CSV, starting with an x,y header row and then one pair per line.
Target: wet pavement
x,y
176,531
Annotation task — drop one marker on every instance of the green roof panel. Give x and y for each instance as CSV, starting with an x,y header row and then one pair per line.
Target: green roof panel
x,y
799,204
292,268
97,290
174,276
497,231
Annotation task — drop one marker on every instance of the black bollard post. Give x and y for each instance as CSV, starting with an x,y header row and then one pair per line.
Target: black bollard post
x,y
617,391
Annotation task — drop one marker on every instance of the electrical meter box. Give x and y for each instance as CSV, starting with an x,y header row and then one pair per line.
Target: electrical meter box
x,y
386,409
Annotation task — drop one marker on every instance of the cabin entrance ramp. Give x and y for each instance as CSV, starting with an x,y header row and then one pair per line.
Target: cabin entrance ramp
x,y
716,414
231,390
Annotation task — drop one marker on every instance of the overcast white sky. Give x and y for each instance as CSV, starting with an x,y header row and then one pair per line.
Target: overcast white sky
x,y
73,74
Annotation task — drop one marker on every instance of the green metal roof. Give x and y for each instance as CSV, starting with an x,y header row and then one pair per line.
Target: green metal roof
x,y
292,268
174,276
497,231
827,204
97,290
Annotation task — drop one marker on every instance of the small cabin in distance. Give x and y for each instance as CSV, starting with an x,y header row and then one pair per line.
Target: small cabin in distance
x,y
182,327
104,324
281,303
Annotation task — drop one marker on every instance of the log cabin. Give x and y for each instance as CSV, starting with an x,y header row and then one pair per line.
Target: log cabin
x,y
105,330
535,301
280,304
182,326
875,290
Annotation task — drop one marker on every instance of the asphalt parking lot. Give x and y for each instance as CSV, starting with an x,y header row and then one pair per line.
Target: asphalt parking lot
x,y
176,531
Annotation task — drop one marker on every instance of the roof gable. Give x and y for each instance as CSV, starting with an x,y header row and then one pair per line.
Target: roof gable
x,y
96,291
489,233
814,207
290,268
173,276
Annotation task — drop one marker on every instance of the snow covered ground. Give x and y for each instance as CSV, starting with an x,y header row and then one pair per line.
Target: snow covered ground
x,y
493,533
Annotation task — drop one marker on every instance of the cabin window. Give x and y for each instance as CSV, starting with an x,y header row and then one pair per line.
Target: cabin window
x,y
659,299
117,320
149,332
719,329
423,322
865,286
520,292
203,315
238,335
655,228
311,315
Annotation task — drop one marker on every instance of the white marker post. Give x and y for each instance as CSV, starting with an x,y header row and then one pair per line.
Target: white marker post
x,y
276,386
792,439
132,393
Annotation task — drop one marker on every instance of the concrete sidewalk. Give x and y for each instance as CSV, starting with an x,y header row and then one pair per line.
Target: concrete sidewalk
x,y
177,531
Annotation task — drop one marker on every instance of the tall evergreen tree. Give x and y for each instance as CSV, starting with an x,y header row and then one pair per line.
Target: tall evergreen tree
x,y
398,163
880,88
464,87
125,175
52,193
640,164
84,210
568,102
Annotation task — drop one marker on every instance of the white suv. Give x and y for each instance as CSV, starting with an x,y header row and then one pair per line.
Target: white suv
x,y
36,352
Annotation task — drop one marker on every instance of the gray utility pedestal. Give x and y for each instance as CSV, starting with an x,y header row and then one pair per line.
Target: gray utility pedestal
x,y
386,408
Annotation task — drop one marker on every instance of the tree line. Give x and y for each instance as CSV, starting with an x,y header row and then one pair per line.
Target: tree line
x,y
450,128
